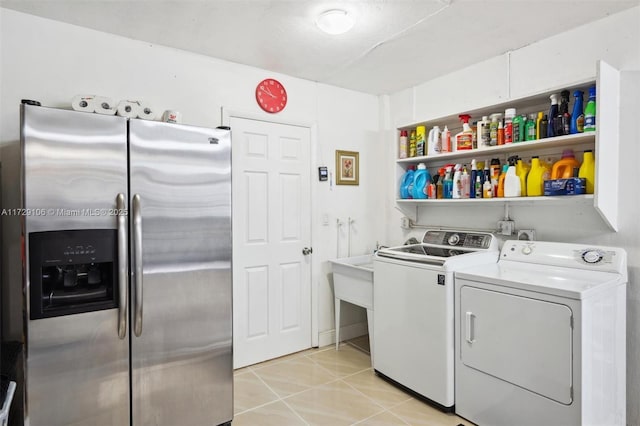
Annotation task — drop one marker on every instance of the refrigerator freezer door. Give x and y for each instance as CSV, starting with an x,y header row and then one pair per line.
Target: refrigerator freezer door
x,y
182,358
74,165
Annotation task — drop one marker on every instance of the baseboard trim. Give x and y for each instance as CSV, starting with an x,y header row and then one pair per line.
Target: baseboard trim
x,y
346,332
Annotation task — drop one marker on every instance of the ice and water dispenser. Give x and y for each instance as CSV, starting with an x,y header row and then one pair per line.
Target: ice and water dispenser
x,y
72,272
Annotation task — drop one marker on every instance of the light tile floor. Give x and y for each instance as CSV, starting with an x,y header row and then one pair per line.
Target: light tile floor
x,y
327,387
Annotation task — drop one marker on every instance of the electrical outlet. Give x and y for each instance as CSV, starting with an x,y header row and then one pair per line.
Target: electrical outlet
x,y
405,223
506,227
527,235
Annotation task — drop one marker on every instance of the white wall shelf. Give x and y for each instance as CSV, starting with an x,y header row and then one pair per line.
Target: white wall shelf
x,y
520,147
604,143
550,200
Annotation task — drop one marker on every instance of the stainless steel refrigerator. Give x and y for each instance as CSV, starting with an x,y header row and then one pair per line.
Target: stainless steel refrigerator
x,y
125,228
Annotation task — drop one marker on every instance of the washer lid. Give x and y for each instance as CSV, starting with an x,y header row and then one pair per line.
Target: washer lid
x,y
564,282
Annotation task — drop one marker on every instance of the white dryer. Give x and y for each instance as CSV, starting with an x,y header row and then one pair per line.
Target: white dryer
x,y
540,336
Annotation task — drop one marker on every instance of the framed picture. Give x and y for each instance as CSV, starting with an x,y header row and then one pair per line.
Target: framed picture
x,y
347,168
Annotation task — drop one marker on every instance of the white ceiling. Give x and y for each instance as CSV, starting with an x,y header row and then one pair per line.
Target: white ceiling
x,y
394,44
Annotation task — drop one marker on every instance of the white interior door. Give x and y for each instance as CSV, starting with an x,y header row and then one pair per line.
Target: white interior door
x,y
271,227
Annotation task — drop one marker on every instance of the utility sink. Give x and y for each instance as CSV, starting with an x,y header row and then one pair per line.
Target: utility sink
x,y
353,283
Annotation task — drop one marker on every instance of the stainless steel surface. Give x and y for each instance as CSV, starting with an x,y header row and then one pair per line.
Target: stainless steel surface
x,y
76,365
77,371
182,363
73,165
123,268
137,264
80,368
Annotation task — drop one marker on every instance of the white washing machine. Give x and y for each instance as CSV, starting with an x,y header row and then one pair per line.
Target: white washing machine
x,y
413,309
540,336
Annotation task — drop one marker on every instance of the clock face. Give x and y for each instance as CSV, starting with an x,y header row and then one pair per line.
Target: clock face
x,y
271,95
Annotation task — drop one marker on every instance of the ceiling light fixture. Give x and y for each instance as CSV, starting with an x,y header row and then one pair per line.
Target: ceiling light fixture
x,y
335,21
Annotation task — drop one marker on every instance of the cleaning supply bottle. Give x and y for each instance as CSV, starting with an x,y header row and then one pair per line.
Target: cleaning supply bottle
x,y
493,130
431,187
412,144
512,186
588,170
544,124
590,111
535,179
472,179
503,174
465,182
484,132
448,184
404,144
439,186
563,124
474,135
538,128
464,139
434,145
530,128
495,168
446,140
486,173
500,133
421,141
487,189
477,187
553,113
563,168
457,183
420,181
518,128
522,170
509,115
406,184
577,117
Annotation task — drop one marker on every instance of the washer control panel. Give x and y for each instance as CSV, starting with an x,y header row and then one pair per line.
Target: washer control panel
x,y
462,239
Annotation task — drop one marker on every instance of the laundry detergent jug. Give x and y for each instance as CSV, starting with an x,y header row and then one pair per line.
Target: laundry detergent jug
x,y
421,179
406,184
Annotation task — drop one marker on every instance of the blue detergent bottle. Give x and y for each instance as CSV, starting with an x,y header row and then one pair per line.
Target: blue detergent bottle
x,y
406,183
421,179
577,118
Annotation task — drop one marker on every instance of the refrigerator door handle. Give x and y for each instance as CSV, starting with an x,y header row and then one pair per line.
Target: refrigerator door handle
x,y
123,281
122,267
137,259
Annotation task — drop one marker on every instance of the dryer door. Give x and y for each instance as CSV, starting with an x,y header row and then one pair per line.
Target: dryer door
x,y
524,341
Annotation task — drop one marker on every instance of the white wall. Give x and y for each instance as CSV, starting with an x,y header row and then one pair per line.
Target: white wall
x,y
560,60
51,62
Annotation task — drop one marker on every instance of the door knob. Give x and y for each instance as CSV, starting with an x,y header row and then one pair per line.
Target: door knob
x,y
307,251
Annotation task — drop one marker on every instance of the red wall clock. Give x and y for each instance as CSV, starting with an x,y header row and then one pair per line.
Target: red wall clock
x,y
271,95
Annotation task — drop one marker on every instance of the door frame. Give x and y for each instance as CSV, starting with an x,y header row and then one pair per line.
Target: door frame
x,y
225,120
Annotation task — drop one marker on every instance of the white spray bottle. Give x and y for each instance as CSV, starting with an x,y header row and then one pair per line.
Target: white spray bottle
x,y
457,182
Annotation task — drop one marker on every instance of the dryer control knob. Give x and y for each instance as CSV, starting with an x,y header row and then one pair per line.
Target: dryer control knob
x,y
454,239
527,250
592,256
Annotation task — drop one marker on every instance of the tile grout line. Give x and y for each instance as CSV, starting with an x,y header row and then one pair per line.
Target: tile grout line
x,y
336,378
